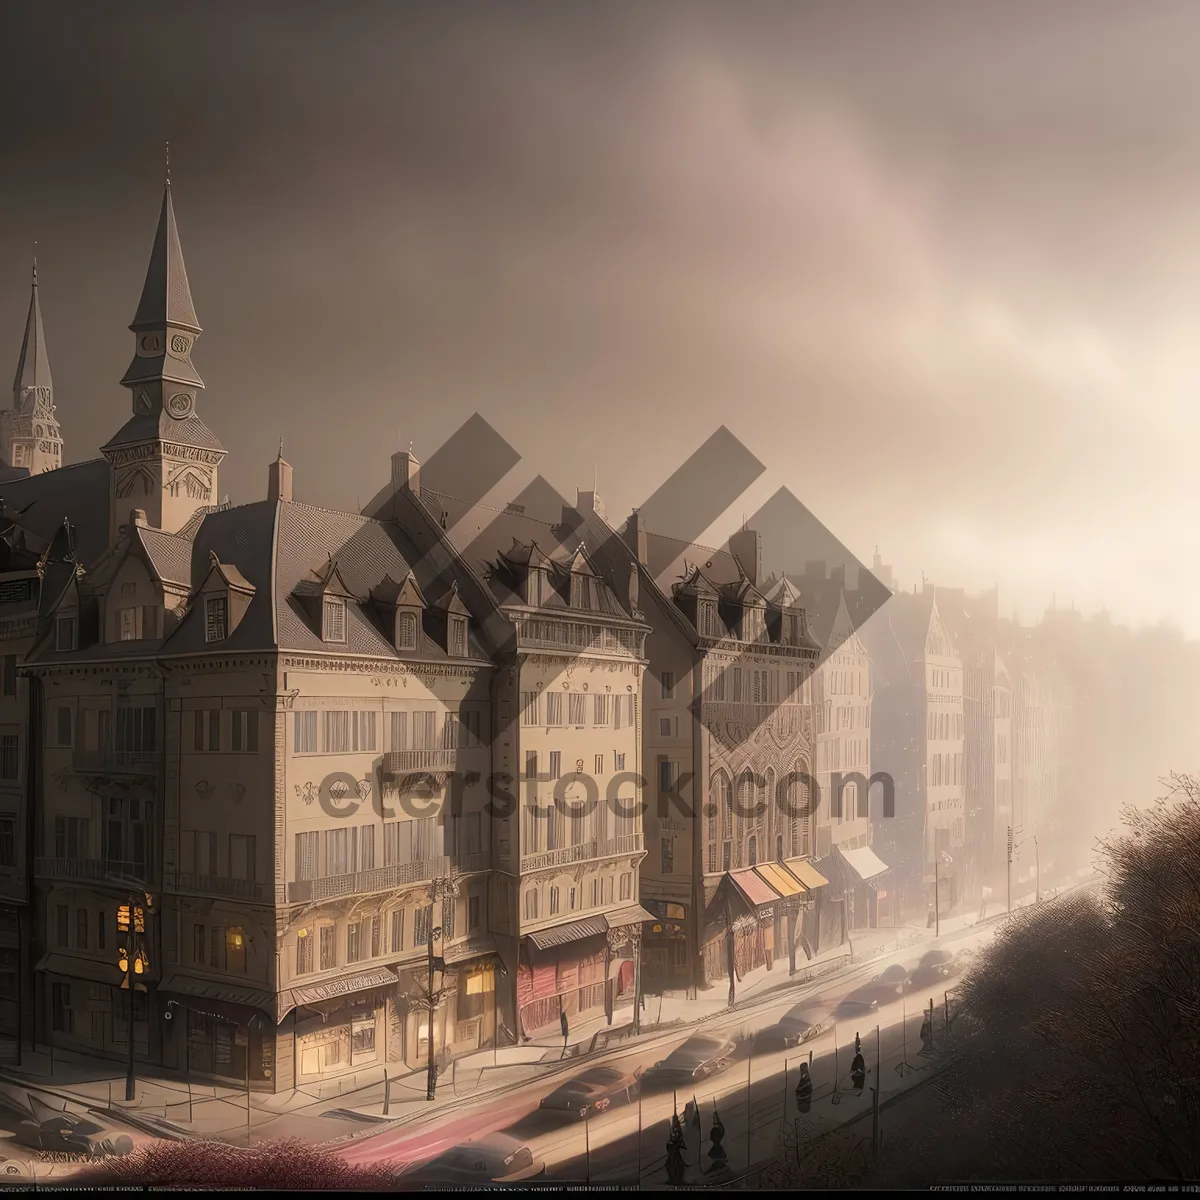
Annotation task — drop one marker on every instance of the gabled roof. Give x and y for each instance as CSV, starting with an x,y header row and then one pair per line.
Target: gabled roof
x,y
452,602
782,594
390,593
169,555
228,574
161,427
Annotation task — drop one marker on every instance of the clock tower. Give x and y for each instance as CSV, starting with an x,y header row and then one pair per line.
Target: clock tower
x,y
164,460
29,433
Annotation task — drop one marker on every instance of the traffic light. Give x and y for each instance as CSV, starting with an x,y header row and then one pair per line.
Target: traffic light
x,y
123,918
139,919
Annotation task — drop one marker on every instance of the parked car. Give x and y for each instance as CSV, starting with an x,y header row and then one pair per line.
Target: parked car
x,y
494,1158
698,1058
591,1093
866,999
68,1133
935,968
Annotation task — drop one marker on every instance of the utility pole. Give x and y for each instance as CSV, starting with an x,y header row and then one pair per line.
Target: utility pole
x,y
1010,850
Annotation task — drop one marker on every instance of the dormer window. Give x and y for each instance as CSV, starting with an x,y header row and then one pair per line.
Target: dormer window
x,y
578,592
64,634
333,624
458,637
793,630
216,618
708,618
406,631
533,588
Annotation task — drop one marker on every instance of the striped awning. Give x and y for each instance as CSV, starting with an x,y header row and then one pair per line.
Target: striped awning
x,y
632,914
806,873
572,931
781,880
753,888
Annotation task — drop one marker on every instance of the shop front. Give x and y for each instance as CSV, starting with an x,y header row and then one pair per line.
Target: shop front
x,y
866,872
562,971
665,958
220,1031
793,899
87,1009
342,1025
815,886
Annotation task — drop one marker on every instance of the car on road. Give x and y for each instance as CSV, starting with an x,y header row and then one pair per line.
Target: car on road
x,y
591,1093
867,999
803,1022
494,1158
699,1057
894,974
935,968
67,1133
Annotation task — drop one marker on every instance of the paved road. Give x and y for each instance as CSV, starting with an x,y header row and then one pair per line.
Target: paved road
x,y
610,1142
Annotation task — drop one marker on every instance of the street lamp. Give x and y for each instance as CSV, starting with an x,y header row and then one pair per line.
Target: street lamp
x,y
439,889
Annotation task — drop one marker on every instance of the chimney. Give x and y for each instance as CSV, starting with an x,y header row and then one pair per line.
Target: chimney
x,y
279,481
635,537
406,473
590,502
138,517
746,546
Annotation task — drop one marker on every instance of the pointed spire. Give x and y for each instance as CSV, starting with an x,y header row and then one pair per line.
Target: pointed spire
x,y
166,296
33,366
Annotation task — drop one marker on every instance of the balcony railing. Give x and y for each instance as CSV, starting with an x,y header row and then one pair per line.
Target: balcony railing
x,y
400,762
629,843
217,885
479,861
363,883
90,868
127,762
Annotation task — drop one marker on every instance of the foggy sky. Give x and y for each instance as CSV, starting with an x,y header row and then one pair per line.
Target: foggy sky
x,y
937,265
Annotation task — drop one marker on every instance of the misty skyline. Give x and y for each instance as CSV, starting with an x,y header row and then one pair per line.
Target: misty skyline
x,y
937,273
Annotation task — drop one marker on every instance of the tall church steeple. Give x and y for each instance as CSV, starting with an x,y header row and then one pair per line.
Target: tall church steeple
x,y
30,436
165,459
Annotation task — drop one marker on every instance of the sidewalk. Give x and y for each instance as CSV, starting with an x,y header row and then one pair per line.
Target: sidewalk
x,y
352,1106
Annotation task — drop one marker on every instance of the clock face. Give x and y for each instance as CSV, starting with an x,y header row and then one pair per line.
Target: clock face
x,y
151,343
142,404
181,405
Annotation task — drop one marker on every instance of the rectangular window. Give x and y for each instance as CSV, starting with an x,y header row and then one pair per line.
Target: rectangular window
x,y
472,914
531,760
627,886
64,725
555,764
127,624
304,953
664,726
450,731
366,731
10,674
668,685
207,734
531,904
244,730
64,634
599,764
304,732
101,930
335,732
577,710
62,924
9,757
216,947
81,928
334,619
618,761
328,947
458,637
667,774
554,708
530,708
8,841
398,730
307,851
216,618
61,1007
602,705
424,729
71,838
241,856
553,901
358,939
397,931
235,950
421,926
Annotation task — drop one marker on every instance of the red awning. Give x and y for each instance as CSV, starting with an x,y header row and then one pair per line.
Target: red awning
x,y
755,889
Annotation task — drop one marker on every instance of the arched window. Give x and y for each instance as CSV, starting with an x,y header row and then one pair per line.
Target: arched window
x,y
743,815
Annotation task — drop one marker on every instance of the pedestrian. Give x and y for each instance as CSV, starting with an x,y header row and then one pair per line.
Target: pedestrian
x,y
804,1089
926,1035
566,1032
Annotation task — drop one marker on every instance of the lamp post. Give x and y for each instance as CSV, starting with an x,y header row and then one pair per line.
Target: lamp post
x,y
131,921
439,889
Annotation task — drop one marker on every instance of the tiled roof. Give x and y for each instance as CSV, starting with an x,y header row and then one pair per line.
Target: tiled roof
x,y
80,491
170,554
160,427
